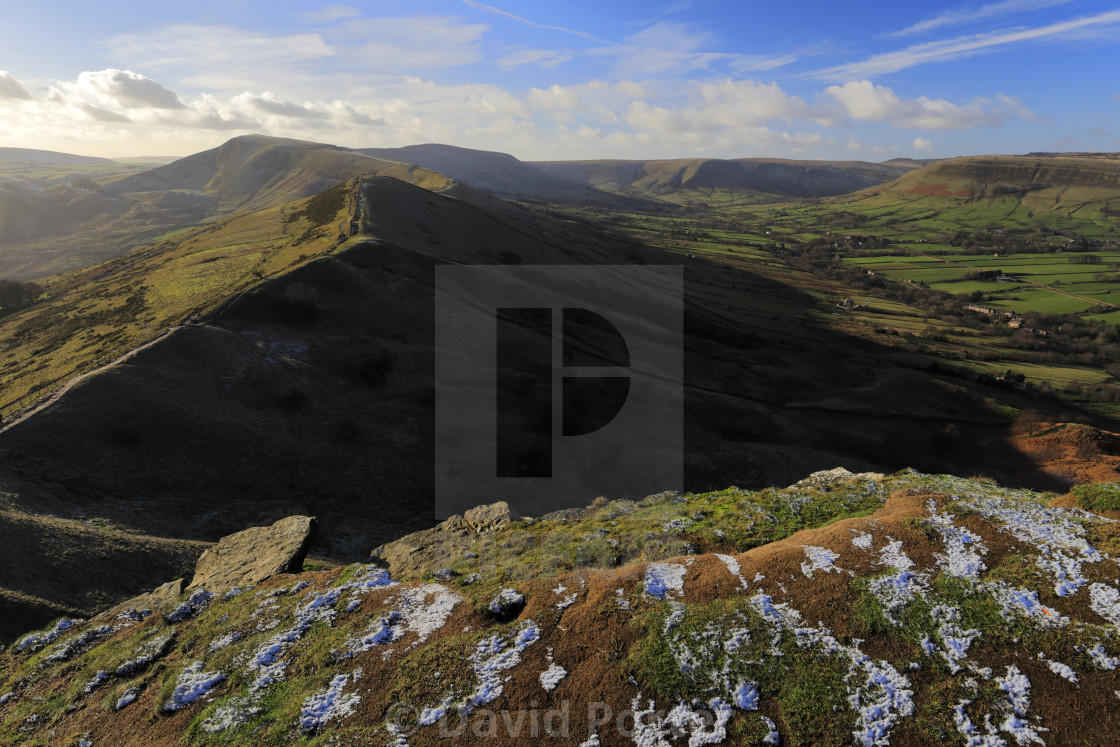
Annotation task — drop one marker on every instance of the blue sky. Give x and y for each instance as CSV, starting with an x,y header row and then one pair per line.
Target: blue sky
x,y
862,80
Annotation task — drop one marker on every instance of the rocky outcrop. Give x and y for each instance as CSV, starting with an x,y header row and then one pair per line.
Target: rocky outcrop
x,y
255,554
832,477
161,598
435,548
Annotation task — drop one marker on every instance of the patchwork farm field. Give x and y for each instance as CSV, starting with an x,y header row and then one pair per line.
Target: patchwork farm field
x,y
1065,283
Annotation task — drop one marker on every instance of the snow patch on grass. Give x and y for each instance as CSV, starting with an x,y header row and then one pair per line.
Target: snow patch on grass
x,y
552,676
506,601
820,559
862,540
36,641
1105,601
733,566
192,684
963,547
745,696
328,705
661,579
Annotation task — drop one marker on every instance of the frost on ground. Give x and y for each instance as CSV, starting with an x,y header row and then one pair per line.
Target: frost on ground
x,y
130,695
878,693
232,714
1061,540
963,547
733,566
225,640
191,685
145,654
1102,660
1105,601
746,696
506,601
319,608
70,648
552,676
36,641
492,657
330,704
819,559
422,609
190,608
862,540
896,590
1017,687
664,578
1063,670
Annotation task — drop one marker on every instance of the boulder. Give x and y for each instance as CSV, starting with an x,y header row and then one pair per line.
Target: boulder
x,y
833,476
255,554
429,550
490,518
160,599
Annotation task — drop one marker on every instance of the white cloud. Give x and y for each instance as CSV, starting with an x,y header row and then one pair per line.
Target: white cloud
x,y
102,115
270,104
10,88
543,58
745,63
128,90
331,13
966,14
856,145
866,102
665,48
505,14
415,42
921,144
194,45
964,46
723,113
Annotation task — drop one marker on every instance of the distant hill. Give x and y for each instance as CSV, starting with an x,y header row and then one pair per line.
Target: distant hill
x,y
255,171
153,160
31,155
498,173
764,177
68,226
995,176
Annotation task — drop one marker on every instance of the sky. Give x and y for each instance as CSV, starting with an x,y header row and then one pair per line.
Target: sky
x,y
556,81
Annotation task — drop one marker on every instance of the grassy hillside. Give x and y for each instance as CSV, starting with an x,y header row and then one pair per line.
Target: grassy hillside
x,y
724,183
95,315
501,174
50,230
909,609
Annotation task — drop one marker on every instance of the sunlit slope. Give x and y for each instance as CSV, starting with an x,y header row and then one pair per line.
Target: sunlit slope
x,y
70,226
256,171
720,180
94,315
500,174
1080,195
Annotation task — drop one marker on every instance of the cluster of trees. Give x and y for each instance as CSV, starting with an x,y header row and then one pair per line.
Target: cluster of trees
x,y
15,294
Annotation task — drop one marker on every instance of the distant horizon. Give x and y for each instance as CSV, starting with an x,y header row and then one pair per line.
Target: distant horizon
x,y
683,79
574,158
